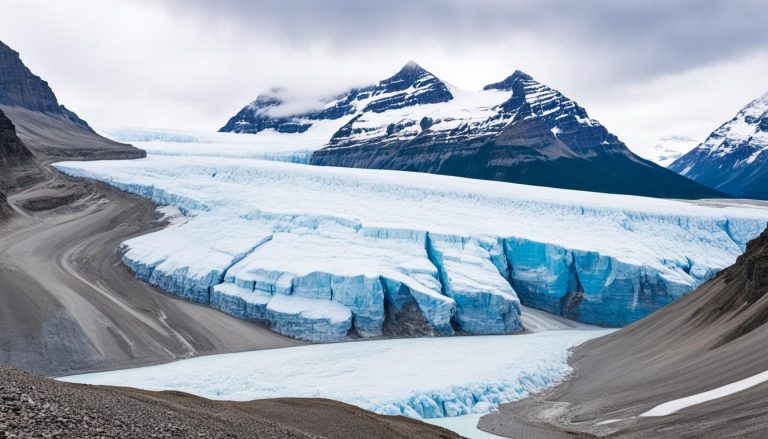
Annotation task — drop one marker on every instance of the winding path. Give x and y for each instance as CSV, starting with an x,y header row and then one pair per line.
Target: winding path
x,y
67,304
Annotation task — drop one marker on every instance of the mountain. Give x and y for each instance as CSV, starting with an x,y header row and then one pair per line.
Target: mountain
x,y
516,130
49,129
733,159
711,338
266,111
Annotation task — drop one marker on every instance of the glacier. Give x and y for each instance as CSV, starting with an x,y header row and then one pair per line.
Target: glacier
x,y
391,377
322,254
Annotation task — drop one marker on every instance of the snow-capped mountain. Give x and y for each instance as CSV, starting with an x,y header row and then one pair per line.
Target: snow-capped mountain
x,y
411,86
517,130
734,158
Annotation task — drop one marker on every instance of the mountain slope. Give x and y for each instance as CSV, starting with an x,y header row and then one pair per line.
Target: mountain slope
x,y
734,158
713,337
49,129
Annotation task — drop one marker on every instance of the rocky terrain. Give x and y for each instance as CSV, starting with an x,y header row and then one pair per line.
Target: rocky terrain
x,y
713,337
734,158
35,407
47,128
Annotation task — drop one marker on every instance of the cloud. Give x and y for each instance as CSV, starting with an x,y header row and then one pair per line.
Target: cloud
x,y
633,37
646,69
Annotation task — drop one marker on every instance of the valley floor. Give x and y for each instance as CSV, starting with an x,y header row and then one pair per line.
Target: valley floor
x,y
71,306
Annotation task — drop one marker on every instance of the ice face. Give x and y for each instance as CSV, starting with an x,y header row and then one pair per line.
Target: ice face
x,y
485,301
294,245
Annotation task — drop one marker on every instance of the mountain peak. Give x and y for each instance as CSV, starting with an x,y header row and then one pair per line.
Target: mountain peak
x,y
509,82
409,75
412,85
411,65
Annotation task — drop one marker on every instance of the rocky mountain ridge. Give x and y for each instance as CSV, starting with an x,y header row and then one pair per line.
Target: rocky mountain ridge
x,y
50,130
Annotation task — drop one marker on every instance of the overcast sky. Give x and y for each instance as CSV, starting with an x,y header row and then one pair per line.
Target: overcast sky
x,y
645,69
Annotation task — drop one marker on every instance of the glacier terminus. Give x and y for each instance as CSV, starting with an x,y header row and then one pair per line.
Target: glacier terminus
x,y
323,253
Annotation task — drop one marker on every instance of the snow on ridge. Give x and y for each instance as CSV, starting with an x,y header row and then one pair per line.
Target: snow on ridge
x,y
674,406
450,245
741,131
391,377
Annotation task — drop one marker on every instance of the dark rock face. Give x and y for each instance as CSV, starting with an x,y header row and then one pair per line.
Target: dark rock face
x,y
18,167
12,151
17,164
19,87
746,286
48,129
734,158
536,136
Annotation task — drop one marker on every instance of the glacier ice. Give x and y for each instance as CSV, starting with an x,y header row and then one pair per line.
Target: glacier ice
x,y
434,253
485,301
392,377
